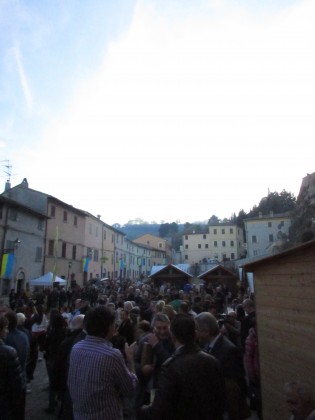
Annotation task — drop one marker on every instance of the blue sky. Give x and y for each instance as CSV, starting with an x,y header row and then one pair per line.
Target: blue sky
x,y
158,110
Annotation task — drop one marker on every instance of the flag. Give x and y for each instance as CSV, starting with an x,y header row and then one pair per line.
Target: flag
x,y
7,265
121,264
85,264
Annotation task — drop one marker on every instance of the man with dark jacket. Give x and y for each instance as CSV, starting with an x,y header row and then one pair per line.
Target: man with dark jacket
x,y
190,384
12,387
231,362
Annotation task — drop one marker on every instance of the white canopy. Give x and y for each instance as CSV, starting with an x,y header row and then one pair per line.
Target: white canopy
x,y
47,280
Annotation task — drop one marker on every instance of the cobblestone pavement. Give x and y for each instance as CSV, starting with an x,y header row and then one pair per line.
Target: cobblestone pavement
x,y
37,399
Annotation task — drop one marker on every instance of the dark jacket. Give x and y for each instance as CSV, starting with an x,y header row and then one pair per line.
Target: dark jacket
x,y
231,361
11,381
190,386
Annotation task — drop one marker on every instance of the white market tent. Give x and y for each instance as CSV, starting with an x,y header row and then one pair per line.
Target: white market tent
x,y
47,280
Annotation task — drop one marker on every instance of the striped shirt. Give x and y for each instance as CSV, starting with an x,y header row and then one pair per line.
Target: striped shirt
x,y
98,379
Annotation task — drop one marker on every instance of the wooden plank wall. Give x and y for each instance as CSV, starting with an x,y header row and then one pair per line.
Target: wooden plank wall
x,y
285,307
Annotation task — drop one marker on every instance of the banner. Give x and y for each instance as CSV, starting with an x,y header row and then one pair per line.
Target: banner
x,y
7,265
85,264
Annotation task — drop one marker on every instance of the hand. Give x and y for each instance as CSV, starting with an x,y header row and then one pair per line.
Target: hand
x,y
152,339
147,370
130,350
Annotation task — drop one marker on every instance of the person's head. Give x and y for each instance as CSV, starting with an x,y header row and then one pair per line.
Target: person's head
x,y
21,318
299,399
77,322
169,311
12,318
161,326
4,323
184,308
128,305
124,315
159,306
100,322
183,329
207,327
248,305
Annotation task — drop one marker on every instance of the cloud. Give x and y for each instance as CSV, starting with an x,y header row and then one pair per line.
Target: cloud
x,y
23,78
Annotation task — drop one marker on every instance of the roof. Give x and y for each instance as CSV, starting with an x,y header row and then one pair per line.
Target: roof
x,y
278,256
183,268
214,269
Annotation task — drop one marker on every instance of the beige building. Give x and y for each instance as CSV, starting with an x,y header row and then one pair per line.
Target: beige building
x,y
22,238
222,242
161,250
266,234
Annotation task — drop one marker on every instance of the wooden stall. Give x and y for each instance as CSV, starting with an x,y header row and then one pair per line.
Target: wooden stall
x,y
171,274
284,286
220,275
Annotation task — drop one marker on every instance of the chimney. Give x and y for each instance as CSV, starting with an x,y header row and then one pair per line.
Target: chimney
x,y
25,183
7,185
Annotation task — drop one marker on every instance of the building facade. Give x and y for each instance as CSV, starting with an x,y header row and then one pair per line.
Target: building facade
x,y
222,242
266,233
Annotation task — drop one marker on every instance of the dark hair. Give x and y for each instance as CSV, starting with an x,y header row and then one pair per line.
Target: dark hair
x,y
3,322
12,319
183,328
99,320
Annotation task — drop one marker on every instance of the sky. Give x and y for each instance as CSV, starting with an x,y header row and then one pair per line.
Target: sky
x,y
157,110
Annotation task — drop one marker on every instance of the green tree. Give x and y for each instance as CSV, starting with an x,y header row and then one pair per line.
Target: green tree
x,y
275,202
214,220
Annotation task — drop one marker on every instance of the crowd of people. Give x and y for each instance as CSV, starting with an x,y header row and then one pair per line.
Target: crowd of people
x,y
132,351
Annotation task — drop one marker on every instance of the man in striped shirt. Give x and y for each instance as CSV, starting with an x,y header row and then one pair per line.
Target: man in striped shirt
x,y
99,378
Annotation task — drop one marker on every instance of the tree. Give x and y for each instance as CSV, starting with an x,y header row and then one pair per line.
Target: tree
x,y
214,220
274,202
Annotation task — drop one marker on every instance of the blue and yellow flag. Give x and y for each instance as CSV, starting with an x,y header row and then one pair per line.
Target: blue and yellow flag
x,y
85,264
7,265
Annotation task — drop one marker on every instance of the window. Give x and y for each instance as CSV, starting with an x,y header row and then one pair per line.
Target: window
x,y
65,216
13,214
75,221
215,243
40,224
1,210
53,211
232,256
223,243
207,246
255,253
204,236
231,230
64,250
74,252
223,231
39,253
160,245
186,246
269,224
186,237
51,246
232,243
186,257
254,239
270,238
95,255
199,246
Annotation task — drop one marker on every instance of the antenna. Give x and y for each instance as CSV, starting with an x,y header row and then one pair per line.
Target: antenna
x,y
8,170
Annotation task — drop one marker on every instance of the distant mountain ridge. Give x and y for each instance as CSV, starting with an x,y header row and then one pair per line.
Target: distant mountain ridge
x,y
135,231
